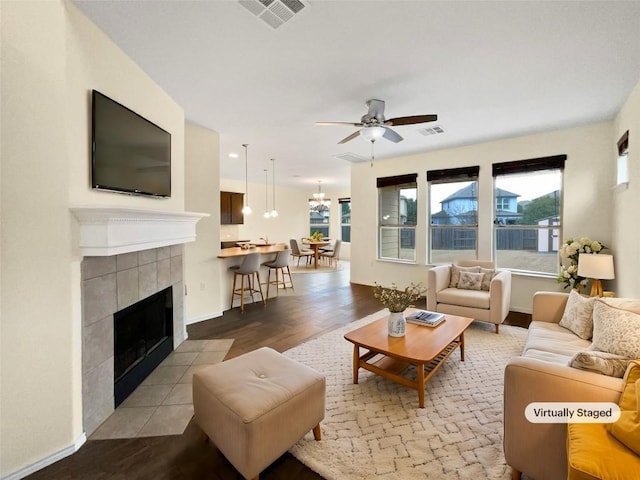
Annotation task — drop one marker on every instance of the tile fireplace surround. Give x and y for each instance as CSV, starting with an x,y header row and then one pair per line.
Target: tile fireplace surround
x,y
128,255
110,284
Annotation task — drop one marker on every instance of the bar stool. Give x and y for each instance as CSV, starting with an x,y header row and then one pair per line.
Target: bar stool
x,y
281,264
249,268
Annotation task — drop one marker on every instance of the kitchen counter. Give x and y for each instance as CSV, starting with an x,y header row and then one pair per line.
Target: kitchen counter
x,y
240,252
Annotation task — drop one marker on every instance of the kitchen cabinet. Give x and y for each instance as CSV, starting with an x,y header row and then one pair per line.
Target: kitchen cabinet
x,y
231,204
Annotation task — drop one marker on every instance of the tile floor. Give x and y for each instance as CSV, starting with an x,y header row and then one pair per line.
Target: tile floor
x,y
162,404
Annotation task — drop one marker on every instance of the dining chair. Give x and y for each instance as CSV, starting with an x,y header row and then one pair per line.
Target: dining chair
x,y
334,255
249,268
279,264
296,251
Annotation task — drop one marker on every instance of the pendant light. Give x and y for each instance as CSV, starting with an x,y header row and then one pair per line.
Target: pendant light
x,y
266,194
274,212
246,210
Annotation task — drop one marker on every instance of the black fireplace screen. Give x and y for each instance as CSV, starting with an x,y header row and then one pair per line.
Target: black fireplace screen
x,y
143,337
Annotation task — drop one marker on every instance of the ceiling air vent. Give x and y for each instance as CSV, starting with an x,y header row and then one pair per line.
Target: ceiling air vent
x,y
273,12
351,157
431,130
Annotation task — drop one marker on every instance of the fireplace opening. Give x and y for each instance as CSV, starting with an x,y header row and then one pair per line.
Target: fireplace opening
x,y
143,337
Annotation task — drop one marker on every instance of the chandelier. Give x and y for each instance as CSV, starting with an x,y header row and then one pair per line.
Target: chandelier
x,y
318,202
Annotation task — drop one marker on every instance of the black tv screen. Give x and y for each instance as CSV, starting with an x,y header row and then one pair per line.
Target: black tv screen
x,y
130,154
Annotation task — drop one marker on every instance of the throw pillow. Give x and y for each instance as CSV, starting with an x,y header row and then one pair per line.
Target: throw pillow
x,y
470,281
600,362
488,275
627,428
616,331
630,304
578,315
455,274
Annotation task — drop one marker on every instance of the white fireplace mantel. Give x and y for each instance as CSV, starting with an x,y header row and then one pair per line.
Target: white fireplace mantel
x,y
114,230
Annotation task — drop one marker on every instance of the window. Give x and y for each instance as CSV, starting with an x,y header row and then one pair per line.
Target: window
x,y
527,234
345,219
453,214
397,217
622,169
319,209
502,203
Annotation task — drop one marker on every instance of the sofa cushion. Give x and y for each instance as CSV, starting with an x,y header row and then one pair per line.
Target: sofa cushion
x,y
455,274
578,315
616,331
552,357
630,304
470,281
600,362
465,298
551,337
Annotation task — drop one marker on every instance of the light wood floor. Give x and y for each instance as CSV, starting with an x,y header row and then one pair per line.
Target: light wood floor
x,y
322,302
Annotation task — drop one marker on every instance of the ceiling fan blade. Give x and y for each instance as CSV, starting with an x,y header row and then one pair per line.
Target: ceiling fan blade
x,y
340,123
412,119
391,135
350,137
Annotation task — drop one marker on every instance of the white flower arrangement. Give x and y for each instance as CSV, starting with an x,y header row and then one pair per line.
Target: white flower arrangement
x,y
569,253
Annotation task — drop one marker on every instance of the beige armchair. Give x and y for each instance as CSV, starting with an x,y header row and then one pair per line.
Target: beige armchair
x,y
490,305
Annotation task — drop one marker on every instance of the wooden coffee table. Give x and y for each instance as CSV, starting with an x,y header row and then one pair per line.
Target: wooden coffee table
x,y
425,347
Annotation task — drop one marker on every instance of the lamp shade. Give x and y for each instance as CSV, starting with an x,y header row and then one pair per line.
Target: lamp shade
x,y
372,133
596,265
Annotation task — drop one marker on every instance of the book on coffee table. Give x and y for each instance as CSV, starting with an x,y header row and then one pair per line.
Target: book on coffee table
x,y
425,317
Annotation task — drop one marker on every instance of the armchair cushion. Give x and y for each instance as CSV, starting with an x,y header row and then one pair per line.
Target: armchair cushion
x,y
470,281
627,428
488,274
455,274
465,298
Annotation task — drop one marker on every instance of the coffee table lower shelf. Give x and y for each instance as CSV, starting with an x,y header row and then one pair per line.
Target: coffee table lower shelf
x,y
391,368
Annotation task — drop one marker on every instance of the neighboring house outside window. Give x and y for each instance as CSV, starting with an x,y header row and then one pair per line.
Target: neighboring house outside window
x,y
453,214
397,217
528,239
319,216
345,219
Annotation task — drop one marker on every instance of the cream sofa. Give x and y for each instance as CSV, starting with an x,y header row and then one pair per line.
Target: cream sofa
x,y
542,374
488,306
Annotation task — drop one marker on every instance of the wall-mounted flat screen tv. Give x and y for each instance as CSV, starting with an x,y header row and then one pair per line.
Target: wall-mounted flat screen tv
x,y
130,154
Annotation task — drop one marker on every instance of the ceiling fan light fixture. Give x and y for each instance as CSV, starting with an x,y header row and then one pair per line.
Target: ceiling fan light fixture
x,y
372,133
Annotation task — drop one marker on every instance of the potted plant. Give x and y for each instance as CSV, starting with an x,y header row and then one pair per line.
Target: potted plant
x,y
397,301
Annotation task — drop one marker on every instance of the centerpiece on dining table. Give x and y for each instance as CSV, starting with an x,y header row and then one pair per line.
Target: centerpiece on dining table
x,y
316,236
397,301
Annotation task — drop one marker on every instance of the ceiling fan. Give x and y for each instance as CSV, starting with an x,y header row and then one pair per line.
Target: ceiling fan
x,y
375,126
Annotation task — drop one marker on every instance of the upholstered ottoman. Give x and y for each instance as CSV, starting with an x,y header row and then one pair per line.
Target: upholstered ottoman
x,y
256,406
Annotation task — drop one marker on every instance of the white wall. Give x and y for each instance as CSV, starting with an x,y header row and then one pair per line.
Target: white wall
x,y
202,175
52,57
626,224
587,200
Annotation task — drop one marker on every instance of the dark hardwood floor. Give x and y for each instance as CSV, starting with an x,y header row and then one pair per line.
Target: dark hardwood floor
x,y
322,302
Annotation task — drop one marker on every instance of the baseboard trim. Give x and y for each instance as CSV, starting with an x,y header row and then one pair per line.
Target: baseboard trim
x,y
51,459
200,318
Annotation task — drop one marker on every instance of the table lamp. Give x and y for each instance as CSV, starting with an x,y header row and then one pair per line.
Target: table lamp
x,y
596,266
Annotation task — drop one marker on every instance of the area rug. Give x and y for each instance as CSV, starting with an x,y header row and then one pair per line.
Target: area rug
x,y
376,430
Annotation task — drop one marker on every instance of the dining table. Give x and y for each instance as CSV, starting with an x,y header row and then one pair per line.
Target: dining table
x,y
315,246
